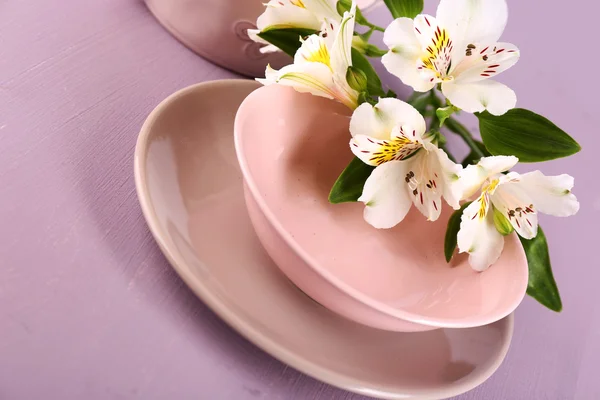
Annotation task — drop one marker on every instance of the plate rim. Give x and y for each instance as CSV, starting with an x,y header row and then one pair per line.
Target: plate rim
x,y
230,317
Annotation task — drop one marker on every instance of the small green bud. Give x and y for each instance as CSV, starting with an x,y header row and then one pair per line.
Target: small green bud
x,y
502,223
356,79
342,6
444,113
374,51
360,43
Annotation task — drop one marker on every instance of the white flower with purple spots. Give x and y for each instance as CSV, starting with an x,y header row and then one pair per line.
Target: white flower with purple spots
x,y
518,198
286,14
410,168
458,49
321,63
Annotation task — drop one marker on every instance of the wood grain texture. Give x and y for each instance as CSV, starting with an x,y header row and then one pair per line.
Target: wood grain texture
x,y
89,308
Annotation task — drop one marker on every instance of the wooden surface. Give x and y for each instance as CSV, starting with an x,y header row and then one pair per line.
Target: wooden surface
x,y
89,308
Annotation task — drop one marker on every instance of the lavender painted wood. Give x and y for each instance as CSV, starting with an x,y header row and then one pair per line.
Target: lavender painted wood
x,y
90,309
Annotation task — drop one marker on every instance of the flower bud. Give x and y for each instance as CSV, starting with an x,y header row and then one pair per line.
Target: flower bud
x,y
356,79
503,225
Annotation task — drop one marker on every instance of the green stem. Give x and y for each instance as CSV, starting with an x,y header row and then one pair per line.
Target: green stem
x,y
366,23
435,101
458,128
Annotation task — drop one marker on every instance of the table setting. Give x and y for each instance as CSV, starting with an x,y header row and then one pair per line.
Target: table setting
x,y
297,199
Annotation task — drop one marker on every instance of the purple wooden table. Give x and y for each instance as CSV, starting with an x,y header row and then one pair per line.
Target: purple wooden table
x,y
89,308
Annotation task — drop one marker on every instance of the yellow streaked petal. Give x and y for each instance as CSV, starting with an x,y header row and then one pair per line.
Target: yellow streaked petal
x,y
313,49
375,152
479,237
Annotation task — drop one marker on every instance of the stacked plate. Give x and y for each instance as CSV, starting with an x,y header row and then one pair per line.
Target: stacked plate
x,y
371,287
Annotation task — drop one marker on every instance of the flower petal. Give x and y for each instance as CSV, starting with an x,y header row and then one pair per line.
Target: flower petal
x,y
385,196
437,49
403,57
253,34
341,57
312,77
322,9
281,14
425,28
473,21
517,207
424,185
496,164
478,235
449,173
313,49
372,151
378,121
550,194
486,62
473,176
479,96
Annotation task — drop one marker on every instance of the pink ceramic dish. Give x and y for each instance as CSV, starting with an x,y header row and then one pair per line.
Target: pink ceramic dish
x,y
190,190
216,30
291,148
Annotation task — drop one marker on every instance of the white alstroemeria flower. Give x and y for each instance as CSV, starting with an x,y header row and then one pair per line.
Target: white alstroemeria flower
x,y
517,197
285,14
459,49
410,168
321,63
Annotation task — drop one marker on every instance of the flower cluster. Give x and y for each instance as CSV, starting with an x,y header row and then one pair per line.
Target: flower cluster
x,y
455,55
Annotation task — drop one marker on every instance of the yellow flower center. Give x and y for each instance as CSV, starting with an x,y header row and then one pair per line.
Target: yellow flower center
x,y
321,54
298,3
486,191
437,56
314,49
397,148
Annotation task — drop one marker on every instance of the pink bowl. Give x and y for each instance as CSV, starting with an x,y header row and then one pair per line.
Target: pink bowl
x,y
291,147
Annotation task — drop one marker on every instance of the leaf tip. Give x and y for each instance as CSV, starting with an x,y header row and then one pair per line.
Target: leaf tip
x,y
555,305
333,196
448,255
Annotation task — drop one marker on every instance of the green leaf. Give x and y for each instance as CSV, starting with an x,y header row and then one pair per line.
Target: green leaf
x,y
472,157
373,83
288,39
451,232
363,97
342,6
390,93
345,5
350,183
542,285
525,134
404,8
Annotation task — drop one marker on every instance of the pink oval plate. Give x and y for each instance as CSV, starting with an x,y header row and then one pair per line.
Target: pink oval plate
x,y
291,147
190,189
